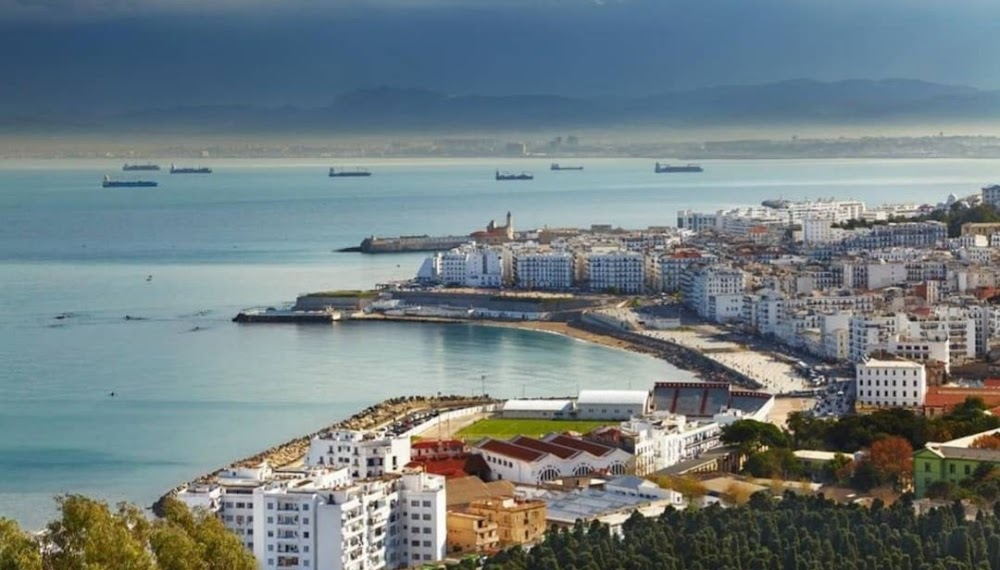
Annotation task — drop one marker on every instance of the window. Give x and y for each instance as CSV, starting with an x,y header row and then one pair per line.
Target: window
x,y
951,468
427,517
305,520
305,534
270,548
414,543
427,503
427,530
270,561
414,503
305,507
305,548
270,520
427,544
270,506
968,470
415,516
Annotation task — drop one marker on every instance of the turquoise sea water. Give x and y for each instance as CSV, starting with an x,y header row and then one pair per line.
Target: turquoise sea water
x,y
259,232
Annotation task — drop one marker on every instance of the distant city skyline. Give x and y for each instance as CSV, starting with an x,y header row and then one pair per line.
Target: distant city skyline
x,y
109,56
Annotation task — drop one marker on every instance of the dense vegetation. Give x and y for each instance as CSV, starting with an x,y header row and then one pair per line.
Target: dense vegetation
x,y
768,534
90,536
889,436
855,432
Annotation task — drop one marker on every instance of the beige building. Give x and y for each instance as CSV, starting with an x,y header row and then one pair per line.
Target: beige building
x,y
471,533
518,521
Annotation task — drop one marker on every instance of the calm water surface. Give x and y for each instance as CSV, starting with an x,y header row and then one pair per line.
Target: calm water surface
x,y
194,391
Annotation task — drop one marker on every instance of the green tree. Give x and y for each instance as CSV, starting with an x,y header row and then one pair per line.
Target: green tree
x,y
18,551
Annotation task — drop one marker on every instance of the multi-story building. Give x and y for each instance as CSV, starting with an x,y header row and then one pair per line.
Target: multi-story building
x,y
991,195
906,234
336,523
552,270
621,271
674,264
694,221
364,453
714,292
466,266
518,521
890,384
468,533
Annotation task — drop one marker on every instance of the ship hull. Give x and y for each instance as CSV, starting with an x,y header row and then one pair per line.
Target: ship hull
x,y
124,184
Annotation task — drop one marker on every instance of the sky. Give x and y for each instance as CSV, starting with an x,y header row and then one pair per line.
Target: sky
x,y
114,55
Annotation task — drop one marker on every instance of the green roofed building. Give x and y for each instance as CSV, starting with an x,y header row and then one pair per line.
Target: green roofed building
x,y
951,461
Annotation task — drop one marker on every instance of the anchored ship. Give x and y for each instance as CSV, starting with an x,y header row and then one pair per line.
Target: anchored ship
x,y
555,166
148,166
190,170
109,183
661,168
509,176
334,172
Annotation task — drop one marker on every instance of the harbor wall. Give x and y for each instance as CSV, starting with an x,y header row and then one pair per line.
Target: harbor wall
x,y
411,243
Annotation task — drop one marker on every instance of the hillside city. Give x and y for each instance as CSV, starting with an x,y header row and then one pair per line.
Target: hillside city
x,y
843,349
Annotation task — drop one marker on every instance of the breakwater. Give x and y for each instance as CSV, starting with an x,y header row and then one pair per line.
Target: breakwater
x,y
682,357
372,417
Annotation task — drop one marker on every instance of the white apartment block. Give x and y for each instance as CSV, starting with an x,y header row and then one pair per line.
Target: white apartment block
x,y
931,348
364,454
622,271
553,270
673,265
467,266
715,293
870,332
335,524
991,195
694,221
906,234
665,442
882,275
891,383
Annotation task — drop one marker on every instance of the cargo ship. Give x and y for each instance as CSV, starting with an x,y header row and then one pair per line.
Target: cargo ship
x,y
109,183
509,176
190,170
334,172
148,166
556,166
662,168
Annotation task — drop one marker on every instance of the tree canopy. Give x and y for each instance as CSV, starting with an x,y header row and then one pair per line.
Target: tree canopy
x,y
793,533
89,535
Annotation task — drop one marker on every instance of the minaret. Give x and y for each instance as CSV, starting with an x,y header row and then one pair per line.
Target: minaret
x,y
510,227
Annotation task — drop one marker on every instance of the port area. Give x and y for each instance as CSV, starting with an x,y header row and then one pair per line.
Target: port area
x,y
711,352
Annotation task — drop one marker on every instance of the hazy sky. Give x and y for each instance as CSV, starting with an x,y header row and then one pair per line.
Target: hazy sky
x,y
118,54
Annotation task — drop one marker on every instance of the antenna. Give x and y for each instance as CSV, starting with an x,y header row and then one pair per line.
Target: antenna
x,y
482,379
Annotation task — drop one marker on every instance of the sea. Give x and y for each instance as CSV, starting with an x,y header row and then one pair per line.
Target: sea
x,y
130,291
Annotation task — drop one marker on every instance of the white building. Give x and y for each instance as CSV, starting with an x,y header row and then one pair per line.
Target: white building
x,y
466,266
612,404
365,454
674,264
622,271
543,270
715,293
891,383
331,523
535,461
991,195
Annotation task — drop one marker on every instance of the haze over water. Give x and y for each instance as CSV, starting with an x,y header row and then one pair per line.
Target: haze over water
x,y
258,233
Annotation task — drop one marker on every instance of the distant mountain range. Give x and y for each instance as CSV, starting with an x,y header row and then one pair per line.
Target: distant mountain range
x,y
400,110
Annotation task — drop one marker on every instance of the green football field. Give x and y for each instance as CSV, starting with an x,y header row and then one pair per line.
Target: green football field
x,y
508,429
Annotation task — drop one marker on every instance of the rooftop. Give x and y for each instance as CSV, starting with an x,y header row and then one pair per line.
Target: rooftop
x,y
629,397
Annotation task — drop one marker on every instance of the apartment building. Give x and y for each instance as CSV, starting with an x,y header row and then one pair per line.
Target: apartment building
x,y
890,384
364,454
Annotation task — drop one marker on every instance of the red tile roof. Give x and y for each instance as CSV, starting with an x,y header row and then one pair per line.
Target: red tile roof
x,y
559,451
437,444
590,447
513,451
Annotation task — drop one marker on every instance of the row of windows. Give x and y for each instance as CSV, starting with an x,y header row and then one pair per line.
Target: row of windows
x,y
415,503
882,372
878,393
417,517
878,383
